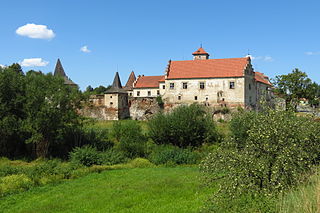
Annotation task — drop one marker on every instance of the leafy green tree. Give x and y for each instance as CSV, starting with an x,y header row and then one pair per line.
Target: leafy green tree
x,y
271,153
50,108
12,98
185,126
293,86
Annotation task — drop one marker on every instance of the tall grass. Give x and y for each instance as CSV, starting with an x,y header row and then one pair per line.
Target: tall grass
x,y
304,199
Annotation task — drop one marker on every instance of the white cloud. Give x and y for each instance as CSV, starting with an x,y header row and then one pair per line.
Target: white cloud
x,y
85,49
34,62
268,58
35,31
2,66
312,53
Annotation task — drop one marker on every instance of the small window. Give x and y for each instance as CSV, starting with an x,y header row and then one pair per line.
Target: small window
x,y
111,103
249,86
195,98
201,85
185,85
130,93
111,96
231,85
158,92
171,85
207,98
149,93
179,97
250,99
163,86
138,93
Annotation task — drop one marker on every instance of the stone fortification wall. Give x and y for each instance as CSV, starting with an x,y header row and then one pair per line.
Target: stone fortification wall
x,y
143,108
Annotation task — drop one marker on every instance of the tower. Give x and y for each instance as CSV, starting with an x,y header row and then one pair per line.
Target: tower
x,y
116,101
59,71
200,54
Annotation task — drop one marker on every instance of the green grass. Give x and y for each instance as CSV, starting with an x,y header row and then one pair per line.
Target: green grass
x,y
108,124
127,190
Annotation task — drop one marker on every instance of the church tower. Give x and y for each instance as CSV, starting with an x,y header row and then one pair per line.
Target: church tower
x,y
200,54
116,101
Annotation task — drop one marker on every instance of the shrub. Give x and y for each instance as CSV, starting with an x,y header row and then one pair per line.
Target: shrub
x,y
129,138
14,183
140,163
166,154
186,126
97,137
113,156
269,152
86,156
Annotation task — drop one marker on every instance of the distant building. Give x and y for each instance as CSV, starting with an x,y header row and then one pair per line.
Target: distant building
x,y
59,71
129,85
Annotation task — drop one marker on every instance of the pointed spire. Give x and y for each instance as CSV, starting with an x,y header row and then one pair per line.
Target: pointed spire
x,y
59,71
116,85
131,79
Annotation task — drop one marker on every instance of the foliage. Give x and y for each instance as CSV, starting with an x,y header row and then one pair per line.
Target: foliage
x,y
113,156
129,138
141,163
96,137
268,153
186,126
50,109
171,155
14,183
86,156
160,101
96,91
296,85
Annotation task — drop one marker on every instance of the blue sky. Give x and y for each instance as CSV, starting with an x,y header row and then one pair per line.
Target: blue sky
x,y
142,35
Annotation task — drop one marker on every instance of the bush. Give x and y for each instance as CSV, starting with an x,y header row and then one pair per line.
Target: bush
x,y
166,154
86,156
140,163
129,138
113,156
269,152
97,137
14,183
186,126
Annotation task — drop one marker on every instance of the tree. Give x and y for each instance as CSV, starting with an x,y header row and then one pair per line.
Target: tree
x,y
50,109
293,86
12,98
185,126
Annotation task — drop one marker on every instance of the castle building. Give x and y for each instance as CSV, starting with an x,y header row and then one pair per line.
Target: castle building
x,y
228,82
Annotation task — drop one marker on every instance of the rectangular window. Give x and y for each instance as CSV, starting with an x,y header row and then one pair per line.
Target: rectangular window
x,y
149,93
231,85
111,103
111,96
163,86
138,93
171,85
185,85
249,86
195,98
179,97
201,85
158,92
130,94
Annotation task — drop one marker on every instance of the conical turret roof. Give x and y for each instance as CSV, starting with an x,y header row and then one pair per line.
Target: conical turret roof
x,y
116,85
131,79
59,71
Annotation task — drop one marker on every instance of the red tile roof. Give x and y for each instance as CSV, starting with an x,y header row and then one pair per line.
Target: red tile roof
x,y
148,81
210,68
260,77
200,51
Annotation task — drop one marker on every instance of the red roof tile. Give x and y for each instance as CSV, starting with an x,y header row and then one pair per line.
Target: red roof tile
x,y
260,77
148,81
200,51
210,68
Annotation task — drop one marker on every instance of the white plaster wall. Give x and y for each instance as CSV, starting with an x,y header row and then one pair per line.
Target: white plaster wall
x,y
144,92
212,87
111,98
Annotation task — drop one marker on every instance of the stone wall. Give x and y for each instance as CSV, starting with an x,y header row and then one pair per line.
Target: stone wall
x,y
143,108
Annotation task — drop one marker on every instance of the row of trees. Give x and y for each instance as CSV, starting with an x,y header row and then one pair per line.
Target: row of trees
x,y
295,86
36,111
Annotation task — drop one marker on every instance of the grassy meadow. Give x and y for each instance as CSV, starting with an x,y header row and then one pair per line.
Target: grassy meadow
x,y
124,190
